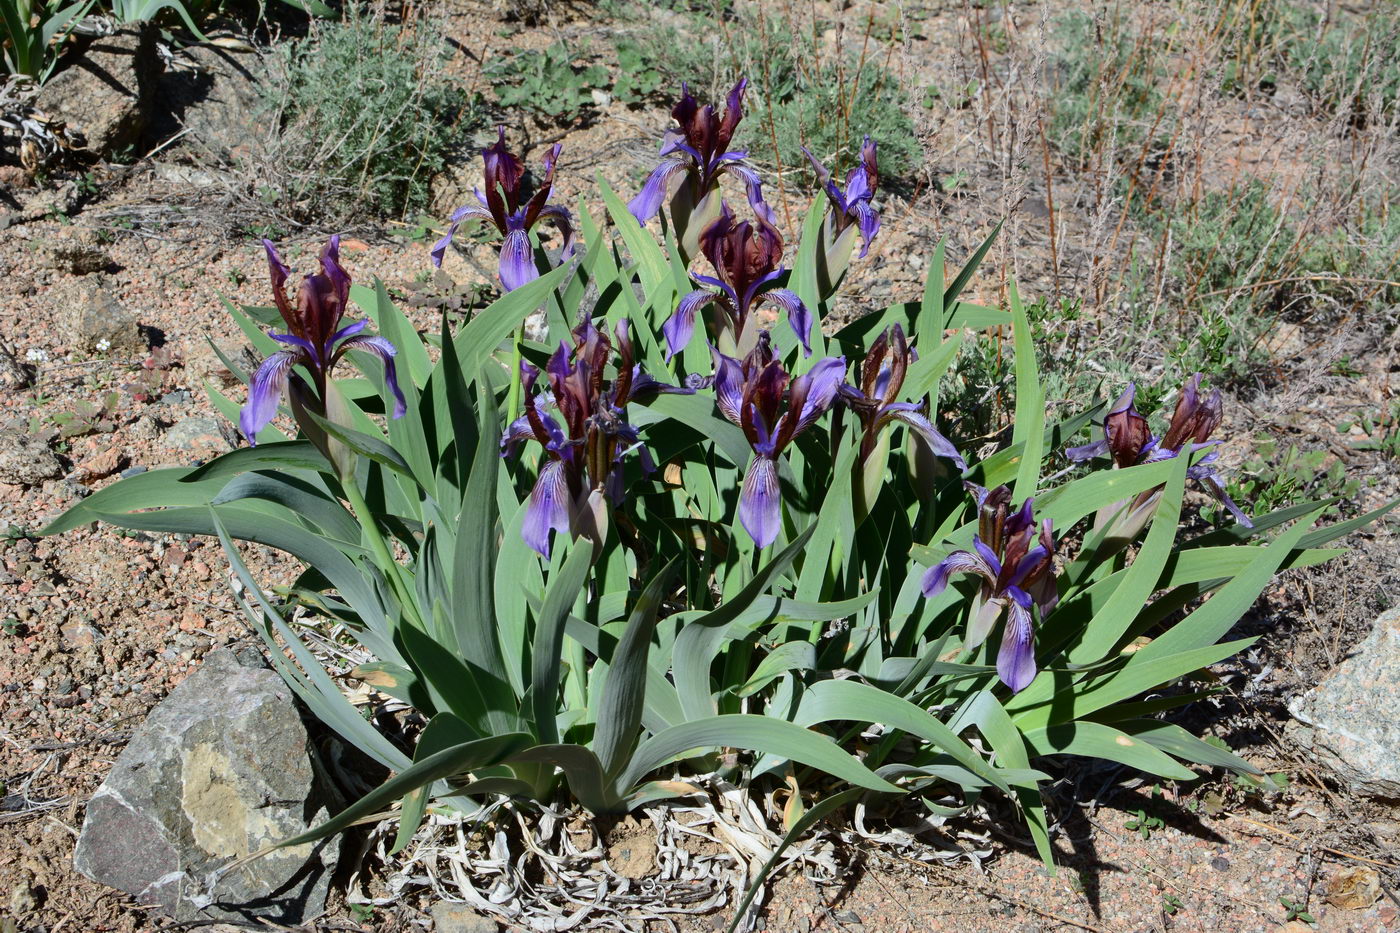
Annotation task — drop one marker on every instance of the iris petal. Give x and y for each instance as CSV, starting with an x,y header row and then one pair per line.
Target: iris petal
x,y
265,391
919,423
729,386
679,327
799,317
760,501
647,203
517,261
383,349
548,509
936,577
1016,659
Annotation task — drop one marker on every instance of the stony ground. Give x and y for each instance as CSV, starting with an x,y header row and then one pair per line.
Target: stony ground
x,y
99,626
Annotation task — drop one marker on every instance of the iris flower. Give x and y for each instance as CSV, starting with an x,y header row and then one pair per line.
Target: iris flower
x,y
315,340
874,403
504,206
583,454
1015,560
772,408
699,152
850,211
748,258
1128,441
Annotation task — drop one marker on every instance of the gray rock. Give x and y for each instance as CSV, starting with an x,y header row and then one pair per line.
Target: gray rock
x,y
96,322
77,254
14,374
219,770
213,95
199,433
109,92
453,917
26,460
1351,720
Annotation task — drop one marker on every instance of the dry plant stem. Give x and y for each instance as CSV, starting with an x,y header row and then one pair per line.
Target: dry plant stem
x,y
1294,836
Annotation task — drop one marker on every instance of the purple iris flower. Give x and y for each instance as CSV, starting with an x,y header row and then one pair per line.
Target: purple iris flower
x,y
874,403
1015,559
503,206
583,454
850,211
699,152
748,258
1129,442
772,408
315,340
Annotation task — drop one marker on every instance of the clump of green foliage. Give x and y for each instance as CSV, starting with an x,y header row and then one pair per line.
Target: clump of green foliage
x,y
341,159
546,83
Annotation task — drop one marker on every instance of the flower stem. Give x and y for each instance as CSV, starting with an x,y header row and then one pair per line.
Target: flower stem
x,y
383,556
513,400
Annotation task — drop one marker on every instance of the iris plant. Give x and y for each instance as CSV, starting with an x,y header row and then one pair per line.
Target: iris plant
x,y
504,205
1128,441
875,404
583,455
315,339
772,408
1015,559
699,153
850,211
748,259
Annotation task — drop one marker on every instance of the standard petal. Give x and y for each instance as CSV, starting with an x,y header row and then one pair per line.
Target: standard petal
x,y
383,349
265,390
1016,659
936,577
648,202
548,509
799,317
760,501
910,415
517,261
679,327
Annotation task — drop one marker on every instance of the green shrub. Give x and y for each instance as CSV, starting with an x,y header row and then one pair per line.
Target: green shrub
x,y
340,158
546,83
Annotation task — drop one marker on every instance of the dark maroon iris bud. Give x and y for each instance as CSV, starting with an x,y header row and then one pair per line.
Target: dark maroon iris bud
x,y
584,453
1129,442
505,206
748,258
850,210
1015,557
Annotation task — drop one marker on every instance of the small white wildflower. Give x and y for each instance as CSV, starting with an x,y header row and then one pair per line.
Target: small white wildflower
x,y
104,345
35,355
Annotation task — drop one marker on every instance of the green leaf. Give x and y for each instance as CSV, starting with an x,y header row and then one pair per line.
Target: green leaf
x,y
1095,740
450,762
483,334
651,262
443,732
757,733
624,691
787,657
1177,741
285,455
565,585
1029,430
